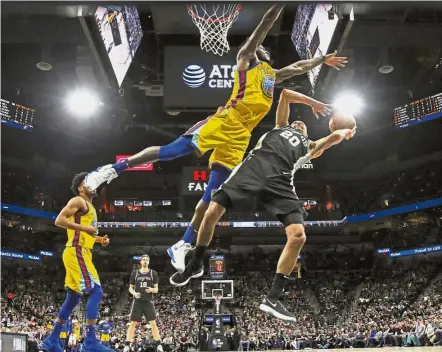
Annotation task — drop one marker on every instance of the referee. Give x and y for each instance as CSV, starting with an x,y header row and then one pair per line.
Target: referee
x,y
143,284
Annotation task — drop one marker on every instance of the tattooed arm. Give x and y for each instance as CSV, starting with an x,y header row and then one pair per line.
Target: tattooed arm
x,y
303,66
248,50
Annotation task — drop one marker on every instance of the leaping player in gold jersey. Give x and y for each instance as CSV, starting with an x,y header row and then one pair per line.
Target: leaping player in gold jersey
x,y
227,132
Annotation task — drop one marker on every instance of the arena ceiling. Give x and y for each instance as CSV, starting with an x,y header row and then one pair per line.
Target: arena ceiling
x,y
402,34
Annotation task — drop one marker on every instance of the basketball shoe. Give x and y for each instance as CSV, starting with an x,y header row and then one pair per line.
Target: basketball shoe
x,y
181,279
276,309
101,175
48,345
177,254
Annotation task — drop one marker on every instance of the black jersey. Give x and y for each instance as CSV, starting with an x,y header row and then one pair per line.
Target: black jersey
x,y
143,281
285,147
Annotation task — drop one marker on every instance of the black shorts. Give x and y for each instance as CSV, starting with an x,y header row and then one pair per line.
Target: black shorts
x,y
257,175
140,308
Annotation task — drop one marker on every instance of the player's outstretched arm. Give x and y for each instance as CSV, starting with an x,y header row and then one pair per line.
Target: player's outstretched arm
x,y
318,147
283,109
298,98
248,50
303,66
75,205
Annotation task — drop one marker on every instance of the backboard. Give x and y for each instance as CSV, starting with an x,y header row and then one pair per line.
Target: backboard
x,y
210,288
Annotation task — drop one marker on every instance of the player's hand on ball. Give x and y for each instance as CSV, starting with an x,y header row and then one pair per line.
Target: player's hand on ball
x,y
346,133
106,241
335,61
137,295
321,108
91,230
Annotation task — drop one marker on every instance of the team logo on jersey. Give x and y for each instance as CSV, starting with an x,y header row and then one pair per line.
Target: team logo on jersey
x,y
268,85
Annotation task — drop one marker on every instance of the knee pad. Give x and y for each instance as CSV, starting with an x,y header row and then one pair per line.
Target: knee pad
x,y
179,147
217,177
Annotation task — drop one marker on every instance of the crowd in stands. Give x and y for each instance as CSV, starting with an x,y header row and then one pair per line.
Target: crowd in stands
x,y
390,190
363,303
26,188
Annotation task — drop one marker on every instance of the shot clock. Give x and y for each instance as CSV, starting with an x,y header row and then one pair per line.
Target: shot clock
x,y
217,266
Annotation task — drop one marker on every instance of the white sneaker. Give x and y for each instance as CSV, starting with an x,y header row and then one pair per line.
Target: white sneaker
x,y
160,348
177,254
96,178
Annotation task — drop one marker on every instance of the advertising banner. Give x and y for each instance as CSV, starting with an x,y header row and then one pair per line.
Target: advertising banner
x,y
142,167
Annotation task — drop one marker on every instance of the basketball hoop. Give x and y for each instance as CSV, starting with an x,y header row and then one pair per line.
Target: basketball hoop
x,y
214,22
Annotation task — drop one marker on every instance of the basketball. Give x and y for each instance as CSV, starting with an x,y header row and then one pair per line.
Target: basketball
x,y
341,121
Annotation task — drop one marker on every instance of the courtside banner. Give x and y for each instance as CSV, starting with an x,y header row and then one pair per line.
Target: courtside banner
x,y
142,167
408,252
194,180
231,224
17,255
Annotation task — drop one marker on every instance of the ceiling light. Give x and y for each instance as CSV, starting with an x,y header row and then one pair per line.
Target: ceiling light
x,y
348,103
386,69
44,66
82,102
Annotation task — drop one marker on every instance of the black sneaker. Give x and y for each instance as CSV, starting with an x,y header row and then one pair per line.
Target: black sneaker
x,y
179,280
276,309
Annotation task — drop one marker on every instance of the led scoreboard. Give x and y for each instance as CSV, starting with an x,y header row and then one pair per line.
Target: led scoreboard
x,y
418,111
16,115
217,266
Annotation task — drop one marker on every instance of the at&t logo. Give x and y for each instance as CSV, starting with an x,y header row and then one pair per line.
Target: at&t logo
x,y
194,76
221,76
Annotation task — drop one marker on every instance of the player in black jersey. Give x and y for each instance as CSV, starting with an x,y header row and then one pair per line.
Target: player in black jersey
x,y
268,171
143,285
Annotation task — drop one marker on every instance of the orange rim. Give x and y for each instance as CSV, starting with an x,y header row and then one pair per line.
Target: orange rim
x,y
218,20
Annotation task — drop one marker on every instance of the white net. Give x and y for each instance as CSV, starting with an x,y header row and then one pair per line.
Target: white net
x,y
214,22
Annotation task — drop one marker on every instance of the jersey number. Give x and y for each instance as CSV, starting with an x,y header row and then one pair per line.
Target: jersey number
x,y
143,284
293,139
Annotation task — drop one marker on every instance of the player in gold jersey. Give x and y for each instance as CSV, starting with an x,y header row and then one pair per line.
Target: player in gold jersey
x,y
79,218
228,131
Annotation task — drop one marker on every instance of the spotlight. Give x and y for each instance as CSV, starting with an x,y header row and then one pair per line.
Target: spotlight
x,y
82,102
349,104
